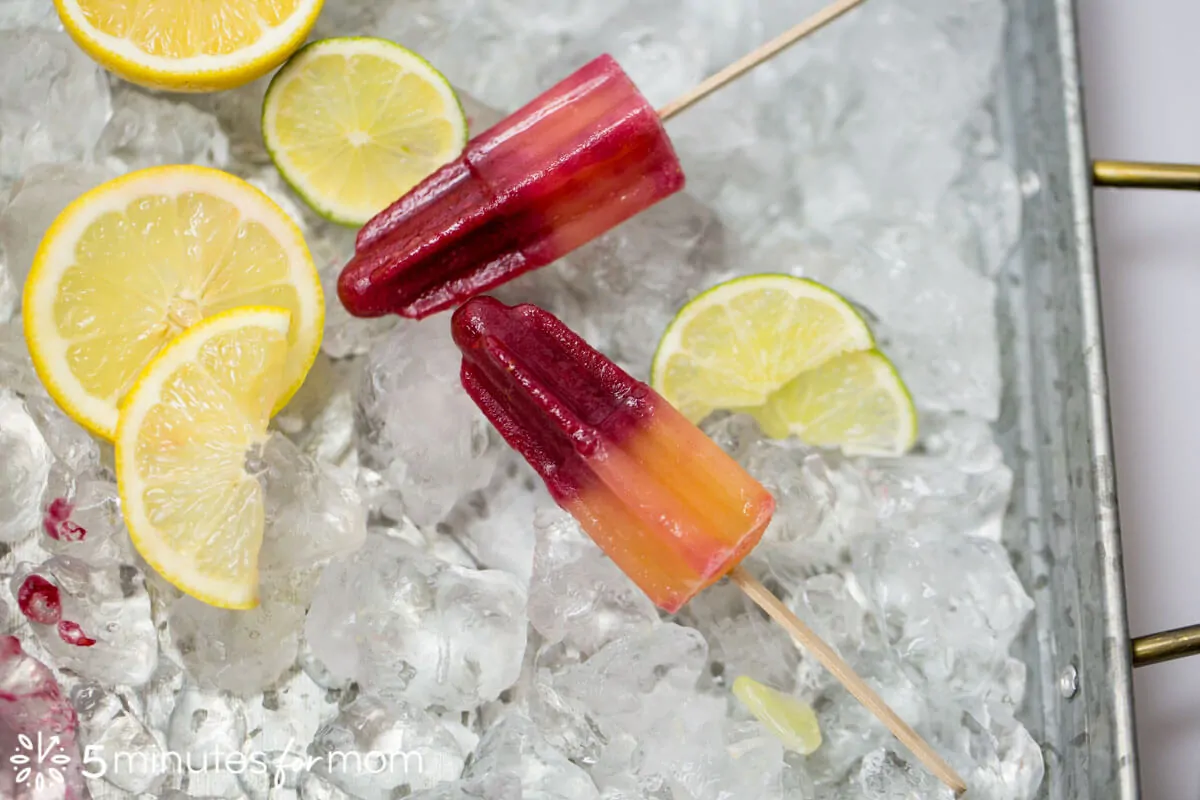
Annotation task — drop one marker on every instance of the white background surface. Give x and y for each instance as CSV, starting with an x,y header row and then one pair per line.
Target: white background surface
x,y
1141,61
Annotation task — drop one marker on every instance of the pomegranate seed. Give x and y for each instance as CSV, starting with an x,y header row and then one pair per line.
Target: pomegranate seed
x,y
71,633
39,600
59,509
58,524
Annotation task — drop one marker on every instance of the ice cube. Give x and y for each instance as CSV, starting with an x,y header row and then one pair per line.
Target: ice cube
x,y
148,131
951,605
36,718
495,524
1001,764
635,278
16,367
633,681
921,299
501,787
313,514
578,595
417,427
205,728
20,14
54,100
415,629
25,461
513,746
885,776
957,477
376,750
89,526
102,629
244,652
740,640
116,742
281,723
314,787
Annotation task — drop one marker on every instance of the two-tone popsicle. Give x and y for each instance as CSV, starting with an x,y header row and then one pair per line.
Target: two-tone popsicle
x,y
585,156
671,509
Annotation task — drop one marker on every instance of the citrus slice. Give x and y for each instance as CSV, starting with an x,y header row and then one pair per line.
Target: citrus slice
x,y
193,510
129,265
780,348
354,123
189,46
855,401
793,721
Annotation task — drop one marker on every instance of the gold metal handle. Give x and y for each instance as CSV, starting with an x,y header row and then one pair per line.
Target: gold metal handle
x,y
1139,175
1166,646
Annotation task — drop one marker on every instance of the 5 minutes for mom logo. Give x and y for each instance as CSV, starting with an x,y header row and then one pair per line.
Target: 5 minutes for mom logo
x,y
43,754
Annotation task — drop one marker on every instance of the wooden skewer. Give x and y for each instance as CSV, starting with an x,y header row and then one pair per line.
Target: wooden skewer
x,y
765,600
862,692
772,48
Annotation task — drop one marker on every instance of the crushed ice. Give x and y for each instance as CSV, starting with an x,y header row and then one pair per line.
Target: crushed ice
x,y
420,595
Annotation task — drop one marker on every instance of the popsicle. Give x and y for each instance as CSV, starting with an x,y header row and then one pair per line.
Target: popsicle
x,y
583,157
670,508
611,451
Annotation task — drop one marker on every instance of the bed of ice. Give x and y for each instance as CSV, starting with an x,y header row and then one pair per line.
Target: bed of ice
x,y
421,594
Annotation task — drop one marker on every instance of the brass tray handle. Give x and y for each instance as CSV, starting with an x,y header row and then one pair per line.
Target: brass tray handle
x,y
1181,642
1140,175
1166,646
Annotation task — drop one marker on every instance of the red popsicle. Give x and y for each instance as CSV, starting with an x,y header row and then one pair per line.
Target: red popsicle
x,y
659,497
577,161
581,158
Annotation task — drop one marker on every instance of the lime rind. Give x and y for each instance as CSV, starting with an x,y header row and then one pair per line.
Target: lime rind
x,y
792,721
856,402
839,391
327,208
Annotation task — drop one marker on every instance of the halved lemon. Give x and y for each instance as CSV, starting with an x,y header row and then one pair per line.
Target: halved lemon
x,y
354,123
794,354
188,427
132,263
189,45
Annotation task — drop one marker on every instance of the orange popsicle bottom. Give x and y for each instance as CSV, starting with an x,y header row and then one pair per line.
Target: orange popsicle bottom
x,y
672,509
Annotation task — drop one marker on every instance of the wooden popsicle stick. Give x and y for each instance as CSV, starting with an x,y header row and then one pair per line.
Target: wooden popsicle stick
x,y
751,60
808,639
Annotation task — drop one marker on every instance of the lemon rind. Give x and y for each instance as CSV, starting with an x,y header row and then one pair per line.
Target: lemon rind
x,y
194,73
56,252
143,396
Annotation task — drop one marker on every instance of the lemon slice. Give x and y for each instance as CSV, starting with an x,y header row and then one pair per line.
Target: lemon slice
x,y
353,124
186,45
193,510
788,718
794,354
132,263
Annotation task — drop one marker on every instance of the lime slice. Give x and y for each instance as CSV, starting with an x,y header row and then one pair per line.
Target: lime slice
x,y
354,123
794,354
855,401
794,722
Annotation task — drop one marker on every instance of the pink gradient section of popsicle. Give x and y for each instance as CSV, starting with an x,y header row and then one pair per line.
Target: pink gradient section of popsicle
x,y
580,159
672,509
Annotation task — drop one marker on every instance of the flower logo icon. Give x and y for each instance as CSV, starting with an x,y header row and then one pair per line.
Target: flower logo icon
x,y
39,754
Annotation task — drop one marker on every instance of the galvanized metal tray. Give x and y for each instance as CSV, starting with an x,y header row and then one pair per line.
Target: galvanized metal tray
x,y
1062,528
